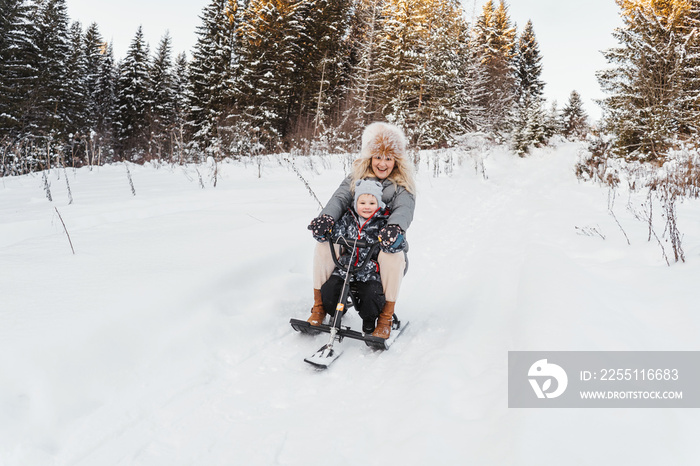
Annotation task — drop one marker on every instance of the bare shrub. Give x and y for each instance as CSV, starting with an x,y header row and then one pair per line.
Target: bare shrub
x,y
668,191
678,178
303,180
47,186
611,204
589,231
65,229
646,215
131,181
70,194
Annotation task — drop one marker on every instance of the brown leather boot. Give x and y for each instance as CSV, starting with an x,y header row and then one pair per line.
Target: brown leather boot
x,y
317,311
386,317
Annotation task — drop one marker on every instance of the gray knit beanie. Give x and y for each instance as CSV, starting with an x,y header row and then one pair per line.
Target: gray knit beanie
x,y
368,187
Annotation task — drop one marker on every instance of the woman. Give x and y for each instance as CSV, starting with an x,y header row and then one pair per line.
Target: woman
x,y
383,157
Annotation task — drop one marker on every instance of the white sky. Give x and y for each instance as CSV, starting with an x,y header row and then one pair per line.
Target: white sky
x,y
571,34
118,21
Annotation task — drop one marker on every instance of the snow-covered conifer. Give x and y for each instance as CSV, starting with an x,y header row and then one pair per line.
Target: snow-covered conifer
x,y
442,105
269,64
212,73
528,70
100,78
553,124
574,120
402,61
133,111
321,63
18,66
495,42
76,95
50,94
163,99
361,102
474,88
649,97
528,127
94,49
690,102
529,117
181,107
104,96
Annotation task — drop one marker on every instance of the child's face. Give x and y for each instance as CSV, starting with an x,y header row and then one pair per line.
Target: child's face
x,y
366,205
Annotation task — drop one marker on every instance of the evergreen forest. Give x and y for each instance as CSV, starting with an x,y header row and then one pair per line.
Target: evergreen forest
x,y
269,76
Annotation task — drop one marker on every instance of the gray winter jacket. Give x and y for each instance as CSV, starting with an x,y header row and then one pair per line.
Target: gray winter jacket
x,y
400,202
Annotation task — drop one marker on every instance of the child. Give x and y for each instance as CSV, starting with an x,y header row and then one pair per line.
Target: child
x,y
364,222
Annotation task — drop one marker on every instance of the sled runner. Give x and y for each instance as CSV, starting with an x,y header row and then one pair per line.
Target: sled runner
x,y
329,353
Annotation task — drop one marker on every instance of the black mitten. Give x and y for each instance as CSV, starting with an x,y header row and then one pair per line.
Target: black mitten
x,y
320,226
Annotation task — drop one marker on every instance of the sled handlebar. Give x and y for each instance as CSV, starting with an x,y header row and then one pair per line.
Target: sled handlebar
x,y
351,243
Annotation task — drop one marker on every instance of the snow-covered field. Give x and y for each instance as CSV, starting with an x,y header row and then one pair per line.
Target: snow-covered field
x,y
165,339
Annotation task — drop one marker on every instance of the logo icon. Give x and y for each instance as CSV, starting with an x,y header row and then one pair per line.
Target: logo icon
x,y
544,371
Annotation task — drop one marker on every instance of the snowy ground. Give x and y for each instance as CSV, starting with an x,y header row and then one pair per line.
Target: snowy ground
x,y
165,340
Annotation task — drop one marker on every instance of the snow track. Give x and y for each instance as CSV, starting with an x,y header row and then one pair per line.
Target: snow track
x,y
165,339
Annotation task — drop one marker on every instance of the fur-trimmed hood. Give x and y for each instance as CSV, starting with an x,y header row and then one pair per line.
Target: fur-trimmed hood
x,y
383,139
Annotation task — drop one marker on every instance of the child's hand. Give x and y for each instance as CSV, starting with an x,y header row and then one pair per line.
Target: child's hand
x,y
320,226
390,238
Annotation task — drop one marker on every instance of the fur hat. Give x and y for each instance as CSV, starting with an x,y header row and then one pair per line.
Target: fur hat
x,y
383,139
368,187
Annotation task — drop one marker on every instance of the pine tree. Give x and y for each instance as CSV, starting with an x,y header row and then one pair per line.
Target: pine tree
x,y
529,128
690,103
104,96
269,51
574,120
181,106
213,74
94,47
50,112
529,85
163,98
474,86
496,48
100,89
321,63
442,96
413,65
529,118
76,96
364,37
402,62
133,100
553,123
647,109
18,67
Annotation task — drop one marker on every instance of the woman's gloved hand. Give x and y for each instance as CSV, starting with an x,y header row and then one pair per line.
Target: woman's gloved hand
x,y
390,238
320,226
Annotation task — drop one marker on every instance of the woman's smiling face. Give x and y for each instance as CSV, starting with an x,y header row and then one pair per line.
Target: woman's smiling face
x,y
382,166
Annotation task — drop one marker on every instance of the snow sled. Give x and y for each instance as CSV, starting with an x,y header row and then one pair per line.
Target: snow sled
x,y
328,353
346,332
